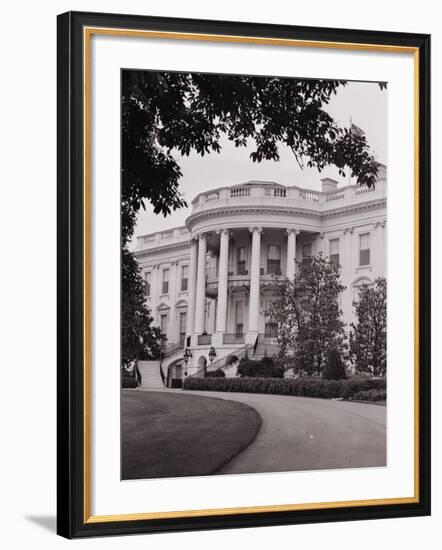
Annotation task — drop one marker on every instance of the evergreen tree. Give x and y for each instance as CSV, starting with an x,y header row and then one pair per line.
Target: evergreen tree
x,y
334,368
368,338
308,316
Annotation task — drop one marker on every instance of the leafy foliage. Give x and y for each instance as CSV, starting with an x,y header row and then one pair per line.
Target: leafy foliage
x,y
368,338
265,368
167,112
218,373
171,113
307,312
139,339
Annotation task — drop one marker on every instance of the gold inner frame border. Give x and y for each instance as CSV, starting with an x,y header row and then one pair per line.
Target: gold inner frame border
x,y
88,32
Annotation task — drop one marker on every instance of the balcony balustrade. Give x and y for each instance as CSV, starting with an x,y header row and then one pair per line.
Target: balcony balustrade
x,y
294,196
204,339
234,338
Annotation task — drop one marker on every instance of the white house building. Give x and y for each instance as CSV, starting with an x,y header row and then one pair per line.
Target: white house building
x,y
209,283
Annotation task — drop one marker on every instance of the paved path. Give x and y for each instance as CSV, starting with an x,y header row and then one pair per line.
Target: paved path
x,y
300,433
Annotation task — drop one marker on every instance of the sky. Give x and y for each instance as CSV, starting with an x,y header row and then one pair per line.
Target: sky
x,y
364,102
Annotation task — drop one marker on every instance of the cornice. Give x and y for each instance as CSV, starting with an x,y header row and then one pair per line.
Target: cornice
x,y
292,211
172,247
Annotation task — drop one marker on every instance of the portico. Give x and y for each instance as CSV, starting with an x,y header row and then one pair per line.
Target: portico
x,y
234,272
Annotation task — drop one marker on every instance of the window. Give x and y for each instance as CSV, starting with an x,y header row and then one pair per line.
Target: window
x,y
364,249
334,252
271,330
184,277
239,324
163,324
183,322
306,250
242,259
165,289
147,280
274,259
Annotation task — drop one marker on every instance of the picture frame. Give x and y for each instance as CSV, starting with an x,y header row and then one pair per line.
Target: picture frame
x,y
76,517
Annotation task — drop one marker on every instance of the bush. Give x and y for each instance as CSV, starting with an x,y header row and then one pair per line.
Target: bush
x,y
370,395
218,373
334,369
129,382
265,368
303,387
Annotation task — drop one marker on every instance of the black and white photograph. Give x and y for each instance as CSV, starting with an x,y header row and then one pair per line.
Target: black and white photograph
x,y
253,274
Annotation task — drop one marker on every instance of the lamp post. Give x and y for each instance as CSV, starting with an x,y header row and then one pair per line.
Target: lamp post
x,y
212,354
186,355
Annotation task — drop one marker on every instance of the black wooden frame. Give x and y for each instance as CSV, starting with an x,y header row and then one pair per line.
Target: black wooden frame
x,y
71,281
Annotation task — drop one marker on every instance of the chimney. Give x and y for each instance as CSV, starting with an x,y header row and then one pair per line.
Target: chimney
x,y
329,184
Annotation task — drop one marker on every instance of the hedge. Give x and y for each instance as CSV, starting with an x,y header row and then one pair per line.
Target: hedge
x,y
370,395
129,382
303,387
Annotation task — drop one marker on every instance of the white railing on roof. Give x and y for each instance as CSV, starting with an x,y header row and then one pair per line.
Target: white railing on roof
x,y
214,196
275,192
360,189
309,195
335,195
240,192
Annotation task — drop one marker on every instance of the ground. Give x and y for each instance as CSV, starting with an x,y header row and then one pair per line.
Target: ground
x,y
169,434
302,433
297,433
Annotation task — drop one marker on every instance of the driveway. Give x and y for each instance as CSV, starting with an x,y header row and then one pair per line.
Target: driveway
x,y
301,433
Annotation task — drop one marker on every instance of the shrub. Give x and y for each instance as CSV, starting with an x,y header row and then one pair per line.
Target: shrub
x,y
218,373
129,382
265,368
304,387
370,395
334,368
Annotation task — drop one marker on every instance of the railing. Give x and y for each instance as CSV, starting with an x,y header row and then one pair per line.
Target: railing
x,y
265,338
361,189
240,192
309,195
212,196
263,191
233,338
275,192
172,348
204,339
336,195
226,360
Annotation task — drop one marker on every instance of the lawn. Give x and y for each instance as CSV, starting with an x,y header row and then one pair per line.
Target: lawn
x,y
167,434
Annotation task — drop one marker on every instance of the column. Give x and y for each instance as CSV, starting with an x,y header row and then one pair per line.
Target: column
x,y
193,265
174,276
223,269
347,273
254,285
291,252
200,300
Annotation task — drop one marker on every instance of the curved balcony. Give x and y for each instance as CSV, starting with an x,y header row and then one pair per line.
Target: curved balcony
x,y
255,193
